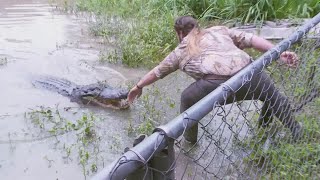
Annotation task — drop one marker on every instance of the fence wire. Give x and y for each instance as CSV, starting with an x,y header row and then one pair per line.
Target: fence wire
x,y
267,128
234,143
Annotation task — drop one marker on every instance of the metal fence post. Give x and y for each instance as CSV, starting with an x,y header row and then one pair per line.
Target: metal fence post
x,y
144,172
163,163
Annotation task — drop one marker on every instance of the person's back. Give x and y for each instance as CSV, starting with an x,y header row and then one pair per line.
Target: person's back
x,y
220,54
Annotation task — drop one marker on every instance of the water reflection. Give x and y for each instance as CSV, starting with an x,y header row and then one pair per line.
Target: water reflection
x,y
35,39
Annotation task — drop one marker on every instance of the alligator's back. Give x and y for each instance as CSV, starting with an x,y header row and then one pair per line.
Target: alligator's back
x,y
59,85
97,93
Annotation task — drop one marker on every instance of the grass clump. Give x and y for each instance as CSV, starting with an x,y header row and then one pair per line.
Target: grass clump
x,y
286,159
145,35
142,31
85,148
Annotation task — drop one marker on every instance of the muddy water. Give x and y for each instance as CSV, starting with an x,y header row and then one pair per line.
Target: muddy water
x,y
36,39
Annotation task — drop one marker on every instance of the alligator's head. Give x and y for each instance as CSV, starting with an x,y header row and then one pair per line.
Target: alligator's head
x,y
115,98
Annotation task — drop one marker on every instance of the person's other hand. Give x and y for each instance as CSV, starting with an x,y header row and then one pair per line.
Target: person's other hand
x,y
133,94
289,58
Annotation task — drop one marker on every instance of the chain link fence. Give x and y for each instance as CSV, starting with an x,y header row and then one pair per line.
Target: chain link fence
x,y
263,123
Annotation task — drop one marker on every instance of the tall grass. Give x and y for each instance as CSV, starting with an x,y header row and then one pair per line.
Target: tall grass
x,y
146,36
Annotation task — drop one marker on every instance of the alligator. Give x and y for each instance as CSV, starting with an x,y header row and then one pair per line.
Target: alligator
x,y
95,94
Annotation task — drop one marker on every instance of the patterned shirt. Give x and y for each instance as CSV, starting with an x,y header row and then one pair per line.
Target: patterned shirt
x,y
221,54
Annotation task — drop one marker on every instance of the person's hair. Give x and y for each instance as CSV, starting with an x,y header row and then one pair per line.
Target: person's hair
x,y
189,26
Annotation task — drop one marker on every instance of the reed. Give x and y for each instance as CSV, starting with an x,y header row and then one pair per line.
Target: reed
x,y
147,36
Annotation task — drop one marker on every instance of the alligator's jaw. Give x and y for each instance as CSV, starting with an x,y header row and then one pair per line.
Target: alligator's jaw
x,y
107,103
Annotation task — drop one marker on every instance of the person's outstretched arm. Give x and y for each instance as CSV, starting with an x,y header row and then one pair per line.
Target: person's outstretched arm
x,y
246,40
263,45
136,91
167,66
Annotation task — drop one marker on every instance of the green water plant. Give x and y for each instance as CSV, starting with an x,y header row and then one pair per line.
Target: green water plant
x,y
85,148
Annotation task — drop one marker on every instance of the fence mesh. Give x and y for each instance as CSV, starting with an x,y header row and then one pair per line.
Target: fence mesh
x,y
267,128
233,142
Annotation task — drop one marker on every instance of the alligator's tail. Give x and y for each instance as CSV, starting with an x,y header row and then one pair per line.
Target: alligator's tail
x,y
62,86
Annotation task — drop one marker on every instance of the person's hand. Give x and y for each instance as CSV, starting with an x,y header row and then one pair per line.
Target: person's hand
x,y
289,58
134,93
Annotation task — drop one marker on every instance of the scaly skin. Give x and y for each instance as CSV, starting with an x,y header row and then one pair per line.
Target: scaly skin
x,y
98,94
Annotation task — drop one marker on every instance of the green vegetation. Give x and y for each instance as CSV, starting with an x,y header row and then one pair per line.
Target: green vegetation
x,y
154,107
143,28
85,150
285,159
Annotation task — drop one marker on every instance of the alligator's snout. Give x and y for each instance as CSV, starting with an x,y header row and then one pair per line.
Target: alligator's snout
x,y
114,98
114,94
123,94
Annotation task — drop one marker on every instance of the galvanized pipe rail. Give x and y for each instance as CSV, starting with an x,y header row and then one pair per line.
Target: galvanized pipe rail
x,y
139,155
